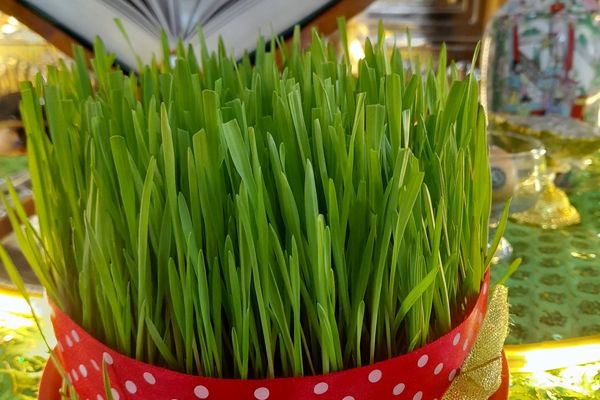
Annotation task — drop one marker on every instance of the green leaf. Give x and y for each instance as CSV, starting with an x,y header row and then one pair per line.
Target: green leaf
x,y
498,235
512,268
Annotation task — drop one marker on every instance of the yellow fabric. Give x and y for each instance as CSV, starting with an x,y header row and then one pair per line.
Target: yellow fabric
x,y
480,375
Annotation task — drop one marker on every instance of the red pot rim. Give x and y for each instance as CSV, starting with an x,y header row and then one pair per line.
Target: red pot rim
x,y
425,373
51,381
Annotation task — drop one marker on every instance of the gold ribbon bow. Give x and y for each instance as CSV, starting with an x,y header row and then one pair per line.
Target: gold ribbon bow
x,y
480,375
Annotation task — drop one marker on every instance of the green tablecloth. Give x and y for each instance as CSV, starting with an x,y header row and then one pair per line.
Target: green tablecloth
x,y
555,293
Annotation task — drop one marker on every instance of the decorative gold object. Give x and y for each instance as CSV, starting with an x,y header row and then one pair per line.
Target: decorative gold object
x,y
567,142
553,210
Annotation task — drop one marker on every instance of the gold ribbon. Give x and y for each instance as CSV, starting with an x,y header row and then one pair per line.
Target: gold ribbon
x,y
481,373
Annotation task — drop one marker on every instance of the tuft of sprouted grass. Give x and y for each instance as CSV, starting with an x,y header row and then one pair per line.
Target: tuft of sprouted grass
x,y
254,220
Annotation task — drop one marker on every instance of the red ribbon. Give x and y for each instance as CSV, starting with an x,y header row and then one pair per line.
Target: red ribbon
x,y
424,374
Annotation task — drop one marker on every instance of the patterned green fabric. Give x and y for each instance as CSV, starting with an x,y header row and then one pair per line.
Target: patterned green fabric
x,y
555,293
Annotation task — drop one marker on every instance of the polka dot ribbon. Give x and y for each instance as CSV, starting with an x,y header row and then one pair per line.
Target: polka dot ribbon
x,y
424,374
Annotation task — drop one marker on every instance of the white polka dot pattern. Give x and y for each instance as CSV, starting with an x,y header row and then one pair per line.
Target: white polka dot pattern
x,y
375,376
131,387
107,358
201,392
452,375
398,389
262,393
456,339
423,360
321,388
148,377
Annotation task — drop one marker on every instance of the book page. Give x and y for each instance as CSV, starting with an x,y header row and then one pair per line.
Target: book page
x,y
239,22
136,10
179,18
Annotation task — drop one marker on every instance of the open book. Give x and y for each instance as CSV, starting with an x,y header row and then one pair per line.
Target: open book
x,y
239,22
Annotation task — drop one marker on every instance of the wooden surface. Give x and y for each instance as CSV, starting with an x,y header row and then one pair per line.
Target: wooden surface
x,y
326,22
6,227
457,23
491,6
54,35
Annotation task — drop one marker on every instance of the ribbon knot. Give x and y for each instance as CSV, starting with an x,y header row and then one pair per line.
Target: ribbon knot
x,y
481,373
